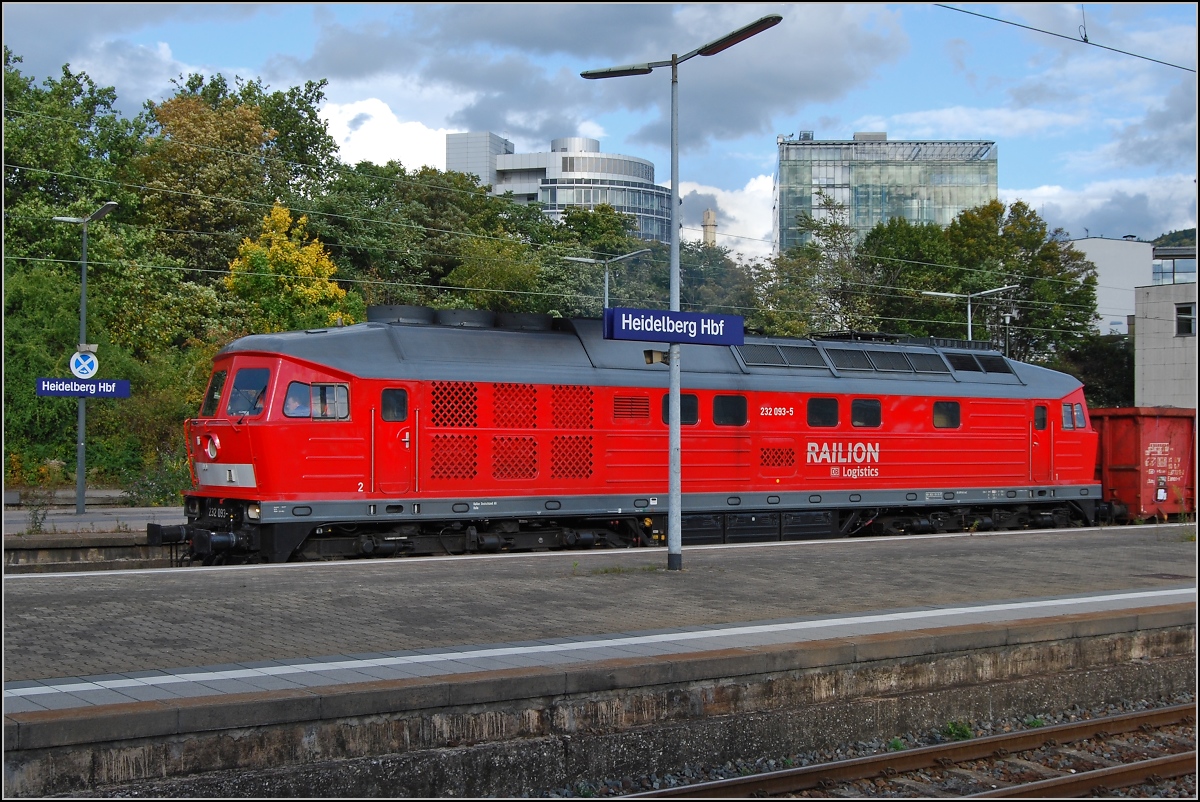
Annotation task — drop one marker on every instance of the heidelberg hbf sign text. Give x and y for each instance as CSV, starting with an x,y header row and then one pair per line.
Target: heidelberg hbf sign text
x,y
695,328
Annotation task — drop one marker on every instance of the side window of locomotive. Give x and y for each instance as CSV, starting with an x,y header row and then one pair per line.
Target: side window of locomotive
x,y
946,415
1080,421
729,410
866,412
295,403
330,402
1039,417
689,409
1068,417
249,389
822,412
394,405
212,396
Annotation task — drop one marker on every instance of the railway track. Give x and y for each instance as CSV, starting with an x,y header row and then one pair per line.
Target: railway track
x,y
1076,759
76,551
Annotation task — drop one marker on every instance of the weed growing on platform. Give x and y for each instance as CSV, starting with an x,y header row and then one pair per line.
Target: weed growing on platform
x,y
957,731
160,484
40,497
621,569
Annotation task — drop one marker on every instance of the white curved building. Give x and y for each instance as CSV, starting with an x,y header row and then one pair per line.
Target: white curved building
x,y
573,173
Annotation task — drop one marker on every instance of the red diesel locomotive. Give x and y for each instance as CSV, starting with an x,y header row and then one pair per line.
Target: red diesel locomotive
x,y
461,431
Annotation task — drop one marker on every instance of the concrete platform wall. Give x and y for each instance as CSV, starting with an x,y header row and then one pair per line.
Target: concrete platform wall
x,y
504,732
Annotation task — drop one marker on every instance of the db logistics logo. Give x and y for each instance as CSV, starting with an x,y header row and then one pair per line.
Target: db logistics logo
x,y
84,365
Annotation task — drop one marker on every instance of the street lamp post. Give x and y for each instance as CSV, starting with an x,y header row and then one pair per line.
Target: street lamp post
x,y
969,296
606,262
81,416
675,490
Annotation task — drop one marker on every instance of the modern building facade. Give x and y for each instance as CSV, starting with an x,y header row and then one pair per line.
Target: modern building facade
x,y
1127,264
574,173
1164,351
876,180
1121,266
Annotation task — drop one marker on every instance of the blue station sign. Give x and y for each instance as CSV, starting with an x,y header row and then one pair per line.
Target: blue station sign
x,y
86,388
653,325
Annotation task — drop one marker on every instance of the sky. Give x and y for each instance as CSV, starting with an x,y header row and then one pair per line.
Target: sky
x,y
1099,142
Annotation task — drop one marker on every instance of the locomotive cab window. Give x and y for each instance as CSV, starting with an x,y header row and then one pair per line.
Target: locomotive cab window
x,y
689,409
212,396
946,415
1068,417
249,387
729,410
1039,417
330,402
295,403
866,412
822,412
394,405
1080,421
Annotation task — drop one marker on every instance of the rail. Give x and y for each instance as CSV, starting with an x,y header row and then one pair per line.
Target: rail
x,y
892,765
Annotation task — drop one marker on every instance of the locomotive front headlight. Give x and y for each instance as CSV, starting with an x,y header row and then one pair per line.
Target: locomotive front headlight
x,y
253,512
211,446
192,506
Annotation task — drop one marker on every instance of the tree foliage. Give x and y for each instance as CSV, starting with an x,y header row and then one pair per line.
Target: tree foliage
x,y
287,279
205,179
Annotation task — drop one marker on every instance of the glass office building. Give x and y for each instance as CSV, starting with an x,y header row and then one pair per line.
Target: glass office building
x,y
573,173
876,180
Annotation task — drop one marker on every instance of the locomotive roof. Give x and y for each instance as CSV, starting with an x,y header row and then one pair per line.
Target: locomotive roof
x,y
575,352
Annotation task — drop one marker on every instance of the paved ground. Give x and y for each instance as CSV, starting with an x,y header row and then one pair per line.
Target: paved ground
x,y
96,518
128,623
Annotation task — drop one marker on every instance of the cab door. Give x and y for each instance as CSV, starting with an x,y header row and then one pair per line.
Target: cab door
x,y
1039,444
395,441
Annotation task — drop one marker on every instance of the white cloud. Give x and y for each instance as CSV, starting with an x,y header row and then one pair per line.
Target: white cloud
x,y
367,130
746,227
1145,207
592,130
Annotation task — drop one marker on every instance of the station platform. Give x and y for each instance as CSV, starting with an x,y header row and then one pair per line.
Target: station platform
x,y
95,519
169,659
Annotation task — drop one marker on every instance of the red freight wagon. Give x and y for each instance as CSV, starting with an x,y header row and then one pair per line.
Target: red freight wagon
x,y
1147,459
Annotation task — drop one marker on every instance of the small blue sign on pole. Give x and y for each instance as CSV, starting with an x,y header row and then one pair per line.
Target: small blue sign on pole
x,y
84,388
654,325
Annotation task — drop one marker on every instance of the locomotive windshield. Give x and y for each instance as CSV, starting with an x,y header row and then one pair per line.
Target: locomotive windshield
x,y
212,396
249,387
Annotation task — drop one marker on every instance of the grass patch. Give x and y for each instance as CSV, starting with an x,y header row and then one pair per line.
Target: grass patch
x,y
622,569
957,731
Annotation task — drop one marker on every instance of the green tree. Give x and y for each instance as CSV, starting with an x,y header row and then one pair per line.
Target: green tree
x,y
497,274
788,297
902,260
287,279
1055,299
1105,365
710,280
601,230
360,217
67,151
205,179
843,292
